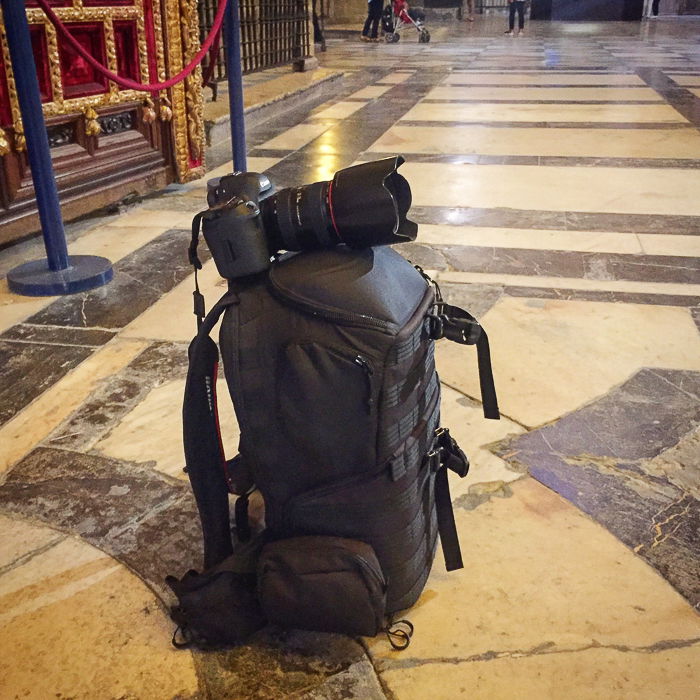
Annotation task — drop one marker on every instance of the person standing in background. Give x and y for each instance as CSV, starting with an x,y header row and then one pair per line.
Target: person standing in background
x,y
468,10
519,7
374,14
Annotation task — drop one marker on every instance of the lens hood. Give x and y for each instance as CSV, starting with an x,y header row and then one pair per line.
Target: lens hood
x,y
369,203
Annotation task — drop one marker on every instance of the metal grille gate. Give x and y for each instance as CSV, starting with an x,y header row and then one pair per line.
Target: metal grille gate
x,y
273,32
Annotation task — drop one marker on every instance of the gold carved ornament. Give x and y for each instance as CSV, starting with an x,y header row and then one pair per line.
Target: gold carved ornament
x,y
4,144
149,112
92,126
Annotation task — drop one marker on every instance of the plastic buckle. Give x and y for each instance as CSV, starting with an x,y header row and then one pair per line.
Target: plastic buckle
x,y
436,326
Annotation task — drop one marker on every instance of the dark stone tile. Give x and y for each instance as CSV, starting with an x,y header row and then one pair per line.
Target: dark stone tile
x,y
85,494
593,295
88,337
633,223
140,279
573,264
695,311
106,406
477,299
136,515
29,369
678,97
689,163
163,360
426,256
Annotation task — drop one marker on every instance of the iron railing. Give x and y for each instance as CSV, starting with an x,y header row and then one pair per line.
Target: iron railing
x,y
273,33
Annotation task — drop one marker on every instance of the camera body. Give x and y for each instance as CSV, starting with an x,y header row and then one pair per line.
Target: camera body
x,y
361,206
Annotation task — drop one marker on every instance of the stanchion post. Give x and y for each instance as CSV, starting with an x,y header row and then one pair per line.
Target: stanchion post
x,y
58,273
235,85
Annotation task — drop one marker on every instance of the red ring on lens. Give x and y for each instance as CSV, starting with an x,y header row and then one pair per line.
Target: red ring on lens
x,y
330,210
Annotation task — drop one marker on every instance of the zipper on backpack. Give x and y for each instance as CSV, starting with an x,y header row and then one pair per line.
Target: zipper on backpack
x,y
344,318
364,364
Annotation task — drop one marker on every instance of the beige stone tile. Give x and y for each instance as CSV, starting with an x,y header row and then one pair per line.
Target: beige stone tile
x,y
465,420
659,244
396,78
494,112
370,92
296,137
577,673
569,283
171,317
687,80
29,427
159,219
556,188
541,583
695,91
135,440
581,94
553,356
544,78
20,539
74,623
115,241
340,110
603,143
537,239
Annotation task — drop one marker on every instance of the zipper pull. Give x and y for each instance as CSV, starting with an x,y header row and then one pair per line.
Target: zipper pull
x,y
367,369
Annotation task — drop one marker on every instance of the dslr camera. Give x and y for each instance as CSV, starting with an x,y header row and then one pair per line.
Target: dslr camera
x,y
362,206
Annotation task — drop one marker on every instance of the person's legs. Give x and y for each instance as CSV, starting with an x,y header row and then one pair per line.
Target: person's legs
x,y
511,17
521,14
655,8
375,12
470,10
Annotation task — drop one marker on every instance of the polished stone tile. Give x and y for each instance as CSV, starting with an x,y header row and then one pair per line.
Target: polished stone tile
x,y
608,143
572,609
542,239
28,369
564,343
29,427
573,264
140,279
625,459
89,626
574,283
614,190
296,137
370,92
544,78
57,335
494,112
340,110
686,80
539,94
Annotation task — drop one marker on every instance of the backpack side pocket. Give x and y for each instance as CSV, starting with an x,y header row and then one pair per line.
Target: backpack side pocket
x,y
325,584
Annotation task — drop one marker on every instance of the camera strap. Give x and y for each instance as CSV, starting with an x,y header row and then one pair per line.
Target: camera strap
x,y
204,454
199,306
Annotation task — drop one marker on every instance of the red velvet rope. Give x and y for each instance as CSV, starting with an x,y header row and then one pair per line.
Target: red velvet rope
x,y
126,82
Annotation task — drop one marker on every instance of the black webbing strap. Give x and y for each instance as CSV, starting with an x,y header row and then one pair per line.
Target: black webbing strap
x,y
203,451
446,455
456,324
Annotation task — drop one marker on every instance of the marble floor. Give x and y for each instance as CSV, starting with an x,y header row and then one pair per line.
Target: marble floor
x,y
555,181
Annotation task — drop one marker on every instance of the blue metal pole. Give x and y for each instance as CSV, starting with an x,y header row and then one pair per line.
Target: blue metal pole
x,y
19,43
235,85
58,273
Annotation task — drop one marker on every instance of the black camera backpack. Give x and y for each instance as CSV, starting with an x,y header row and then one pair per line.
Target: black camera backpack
x,y
329,359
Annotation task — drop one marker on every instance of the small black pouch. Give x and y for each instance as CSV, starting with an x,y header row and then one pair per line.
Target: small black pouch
x,y
325,584
218,607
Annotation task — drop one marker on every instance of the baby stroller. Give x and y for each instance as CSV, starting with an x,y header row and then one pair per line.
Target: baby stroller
x,y
397,16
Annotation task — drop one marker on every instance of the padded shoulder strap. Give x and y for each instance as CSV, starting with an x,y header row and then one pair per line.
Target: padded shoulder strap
x,y
204,455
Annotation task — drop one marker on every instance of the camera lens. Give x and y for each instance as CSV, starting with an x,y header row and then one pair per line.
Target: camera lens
x,y
362,206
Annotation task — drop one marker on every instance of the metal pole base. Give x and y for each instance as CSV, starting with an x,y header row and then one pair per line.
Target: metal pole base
x,y
35,279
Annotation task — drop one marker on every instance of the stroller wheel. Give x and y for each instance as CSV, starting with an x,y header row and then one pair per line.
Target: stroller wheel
x,y
424,36
395,38
389,37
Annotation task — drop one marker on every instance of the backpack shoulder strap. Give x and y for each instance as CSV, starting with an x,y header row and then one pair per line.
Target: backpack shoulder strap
x,y
204,455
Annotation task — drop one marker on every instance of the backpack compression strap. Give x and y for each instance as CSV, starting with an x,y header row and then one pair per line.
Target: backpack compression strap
x,y
446,454
204,456
458,325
